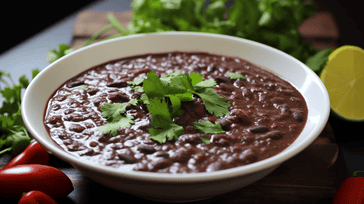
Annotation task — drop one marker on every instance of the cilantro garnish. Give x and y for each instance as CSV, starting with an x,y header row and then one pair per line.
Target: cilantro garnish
x,y
206,140
208,127
172,89
163,97
235,76
115,120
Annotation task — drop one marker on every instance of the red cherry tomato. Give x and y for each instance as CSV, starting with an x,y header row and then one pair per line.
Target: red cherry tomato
x,y
350,191
36,197
33,154
23,178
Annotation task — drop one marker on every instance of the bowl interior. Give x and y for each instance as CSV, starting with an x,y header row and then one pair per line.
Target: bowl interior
x,y
285,66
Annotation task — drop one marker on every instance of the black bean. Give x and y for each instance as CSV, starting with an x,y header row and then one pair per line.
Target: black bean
x,y
226,87
220,79
259,129
119,97
54,119
222,142
76,128
127,158
189,129
273,135
161,163
297,115
118,84
181,155
224,123
88,152
214,166
247,93
162,154
75,83
249,156
239,83
146,149
211,68
238,116
136,95
92,91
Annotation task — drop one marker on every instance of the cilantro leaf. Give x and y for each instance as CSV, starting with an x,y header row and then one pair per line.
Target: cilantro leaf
x,y
144,99
112,111
112,126
16,141
114,118
136,82
208,127
165,129
182,82
153,86
195,78
318,61
54,54
206,140
205,84
235,76
163,126
158,106
214,103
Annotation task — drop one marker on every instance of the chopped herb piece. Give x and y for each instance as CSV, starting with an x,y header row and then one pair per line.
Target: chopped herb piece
x,y
83,87
136,82
235,76
208,127
205,140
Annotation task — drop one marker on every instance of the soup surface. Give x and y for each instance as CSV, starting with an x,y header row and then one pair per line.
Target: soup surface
x,y
104,114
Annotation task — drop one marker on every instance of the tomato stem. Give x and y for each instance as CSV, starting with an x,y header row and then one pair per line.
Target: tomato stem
x,y
356,172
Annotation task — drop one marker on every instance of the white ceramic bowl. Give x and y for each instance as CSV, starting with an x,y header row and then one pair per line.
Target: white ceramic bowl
x,y
180,187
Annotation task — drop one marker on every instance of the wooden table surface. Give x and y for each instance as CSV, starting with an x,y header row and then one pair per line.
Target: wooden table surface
x,y
309,177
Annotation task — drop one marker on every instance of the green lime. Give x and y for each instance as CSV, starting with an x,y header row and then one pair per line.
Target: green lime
x,y
343,77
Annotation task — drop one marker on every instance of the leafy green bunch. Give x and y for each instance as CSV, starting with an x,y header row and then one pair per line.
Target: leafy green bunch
x,y
272,22
14,135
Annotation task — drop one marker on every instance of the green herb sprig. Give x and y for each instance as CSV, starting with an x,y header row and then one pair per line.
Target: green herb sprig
x,y
163,97
14,135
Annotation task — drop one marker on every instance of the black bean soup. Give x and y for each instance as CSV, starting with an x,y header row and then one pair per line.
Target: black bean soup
x,y
266,115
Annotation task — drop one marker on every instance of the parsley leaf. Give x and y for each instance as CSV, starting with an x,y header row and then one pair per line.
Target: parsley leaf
x,y
208,127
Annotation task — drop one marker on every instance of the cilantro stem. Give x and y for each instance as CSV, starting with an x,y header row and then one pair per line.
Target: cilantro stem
x,y
98,34
6,150
116,23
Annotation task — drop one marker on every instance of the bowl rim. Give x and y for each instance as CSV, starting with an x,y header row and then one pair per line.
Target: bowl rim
x,y
189,177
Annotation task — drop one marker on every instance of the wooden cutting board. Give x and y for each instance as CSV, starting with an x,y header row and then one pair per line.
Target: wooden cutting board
x,y
309,177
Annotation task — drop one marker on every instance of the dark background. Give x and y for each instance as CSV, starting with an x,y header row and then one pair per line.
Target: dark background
x,y
21,20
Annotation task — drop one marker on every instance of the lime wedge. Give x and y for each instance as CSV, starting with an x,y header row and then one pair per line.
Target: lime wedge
x,y
343,77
